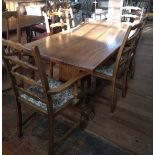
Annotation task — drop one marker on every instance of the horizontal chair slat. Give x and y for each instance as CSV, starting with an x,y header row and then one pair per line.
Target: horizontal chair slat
x,y
127,49
17,46
25,79
21,63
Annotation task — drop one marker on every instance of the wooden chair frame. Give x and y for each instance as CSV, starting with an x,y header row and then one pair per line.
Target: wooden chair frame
x,y
128,46
13,66
117,65
7,15
62,23
133,42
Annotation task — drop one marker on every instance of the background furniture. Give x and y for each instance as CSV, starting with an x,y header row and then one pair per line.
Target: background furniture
x,y
24,20
114,10
7,16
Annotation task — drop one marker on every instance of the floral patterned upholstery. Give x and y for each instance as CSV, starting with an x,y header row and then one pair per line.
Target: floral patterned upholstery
x,y
107,68
58,99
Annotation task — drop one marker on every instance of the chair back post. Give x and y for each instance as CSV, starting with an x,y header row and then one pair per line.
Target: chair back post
x,y
71,16
10,44
46,22
117,63
67,18
44,81
18,26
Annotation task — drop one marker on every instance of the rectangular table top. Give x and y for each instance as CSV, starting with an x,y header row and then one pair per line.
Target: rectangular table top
x,y
25,21
85,47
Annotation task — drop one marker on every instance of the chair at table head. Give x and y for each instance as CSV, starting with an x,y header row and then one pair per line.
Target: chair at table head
x,y
8,16
59,21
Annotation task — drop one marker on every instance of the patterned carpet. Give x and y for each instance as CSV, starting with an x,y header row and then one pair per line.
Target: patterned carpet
x,y
35,139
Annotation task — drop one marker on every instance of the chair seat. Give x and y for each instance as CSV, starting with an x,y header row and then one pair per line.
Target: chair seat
x,y
58,100
107,68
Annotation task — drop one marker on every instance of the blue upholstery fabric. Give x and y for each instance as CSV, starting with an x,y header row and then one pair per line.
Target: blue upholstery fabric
x,y
58,99
106,69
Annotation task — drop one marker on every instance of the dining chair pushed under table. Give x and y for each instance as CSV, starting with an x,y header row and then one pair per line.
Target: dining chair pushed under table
x,y
46,96
117,68
133,42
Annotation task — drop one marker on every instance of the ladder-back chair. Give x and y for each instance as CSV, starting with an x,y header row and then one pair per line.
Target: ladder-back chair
x,y
7,16
46,96
59,20
54,22
132,14
117,68
133,42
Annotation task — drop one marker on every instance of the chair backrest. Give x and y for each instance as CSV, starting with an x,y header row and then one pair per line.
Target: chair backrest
x,y
132,42
21,78
62,5
131,14
119,58
135,32
127,48
59,19
7,15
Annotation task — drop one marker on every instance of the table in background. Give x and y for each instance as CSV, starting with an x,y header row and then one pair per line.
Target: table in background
x,y
26,21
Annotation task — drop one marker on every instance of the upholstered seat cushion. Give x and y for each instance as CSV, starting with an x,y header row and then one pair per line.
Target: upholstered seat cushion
x,y
107,68
58,99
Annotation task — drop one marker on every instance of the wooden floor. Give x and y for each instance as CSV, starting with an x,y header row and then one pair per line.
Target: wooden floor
x,y
131,125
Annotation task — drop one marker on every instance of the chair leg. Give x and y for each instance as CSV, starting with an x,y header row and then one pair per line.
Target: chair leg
x,y
132,69
113,103
19,120
51,137
124,84
51,69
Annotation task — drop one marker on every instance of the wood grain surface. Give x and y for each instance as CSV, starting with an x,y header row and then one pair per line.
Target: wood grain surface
x,y
84,48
